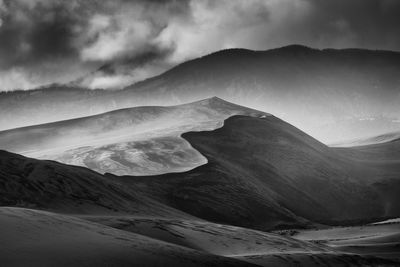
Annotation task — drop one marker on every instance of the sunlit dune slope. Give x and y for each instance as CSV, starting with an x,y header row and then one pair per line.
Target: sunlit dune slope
x,y
134,141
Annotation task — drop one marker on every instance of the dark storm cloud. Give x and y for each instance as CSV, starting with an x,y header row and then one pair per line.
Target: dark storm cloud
x,y
53,40
32,33
370,24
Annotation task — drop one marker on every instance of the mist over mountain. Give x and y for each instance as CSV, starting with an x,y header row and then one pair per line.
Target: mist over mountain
x,y
199,133
334,95
330,94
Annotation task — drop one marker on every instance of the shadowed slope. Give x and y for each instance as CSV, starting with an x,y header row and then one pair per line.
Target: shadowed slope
x,y
265,249
382,162
263,172
213,238
380,239
49,185
36,238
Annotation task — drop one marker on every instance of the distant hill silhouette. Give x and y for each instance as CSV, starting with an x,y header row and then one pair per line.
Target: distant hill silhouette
x,y
333,95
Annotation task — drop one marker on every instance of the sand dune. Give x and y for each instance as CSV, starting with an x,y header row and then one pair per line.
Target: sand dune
x,y
264,173
53,186
255,177
134,141
213,238
381,240
261,248
379,139
261,174
36,238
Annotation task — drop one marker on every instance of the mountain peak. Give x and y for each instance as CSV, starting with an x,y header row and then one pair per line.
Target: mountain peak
x,y
295,48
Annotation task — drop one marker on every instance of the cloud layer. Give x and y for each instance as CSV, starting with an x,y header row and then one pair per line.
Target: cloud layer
x,y
43,41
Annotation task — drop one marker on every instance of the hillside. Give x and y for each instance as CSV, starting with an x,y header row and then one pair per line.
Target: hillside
x,y
134,141
263,173
333,95
50,239
49,185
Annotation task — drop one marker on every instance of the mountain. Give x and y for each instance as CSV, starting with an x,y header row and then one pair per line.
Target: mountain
x,y
333,95
134,141
330,94
260,173
263,173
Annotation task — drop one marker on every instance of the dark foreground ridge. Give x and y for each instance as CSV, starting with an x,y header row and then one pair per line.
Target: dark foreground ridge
x,y
264,173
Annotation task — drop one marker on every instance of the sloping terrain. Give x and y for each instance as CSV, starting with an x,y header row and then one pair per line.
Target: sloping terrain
x,y
134,141
263,173
383,138
37,238
53,186
213,238
381,239
261,248
334,95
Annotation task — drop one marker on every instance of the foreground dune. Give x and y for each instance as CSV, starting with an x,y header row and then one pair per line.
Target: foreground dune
x,y
214,238
36,238
382,239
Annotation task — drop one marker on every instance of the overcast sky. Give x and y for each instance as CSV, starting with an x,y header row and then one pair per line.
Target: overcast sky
x,y
45,41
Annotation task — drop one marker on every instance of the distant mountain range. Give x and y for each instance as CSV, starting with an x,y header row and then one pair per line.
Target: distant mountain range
x,y
334,95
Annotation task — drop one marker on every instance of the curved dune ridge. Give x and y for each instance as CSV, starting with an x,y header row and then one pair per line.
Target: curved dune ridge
x,y
132,141
262,168
261,174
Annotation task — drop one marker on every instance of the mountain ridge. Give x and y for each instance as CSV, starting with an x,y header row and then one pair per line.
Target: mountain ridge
x,y
333,95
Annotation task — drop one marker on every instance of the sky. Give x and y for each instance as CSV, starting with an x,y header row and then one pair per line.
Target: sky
x,y
111,44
